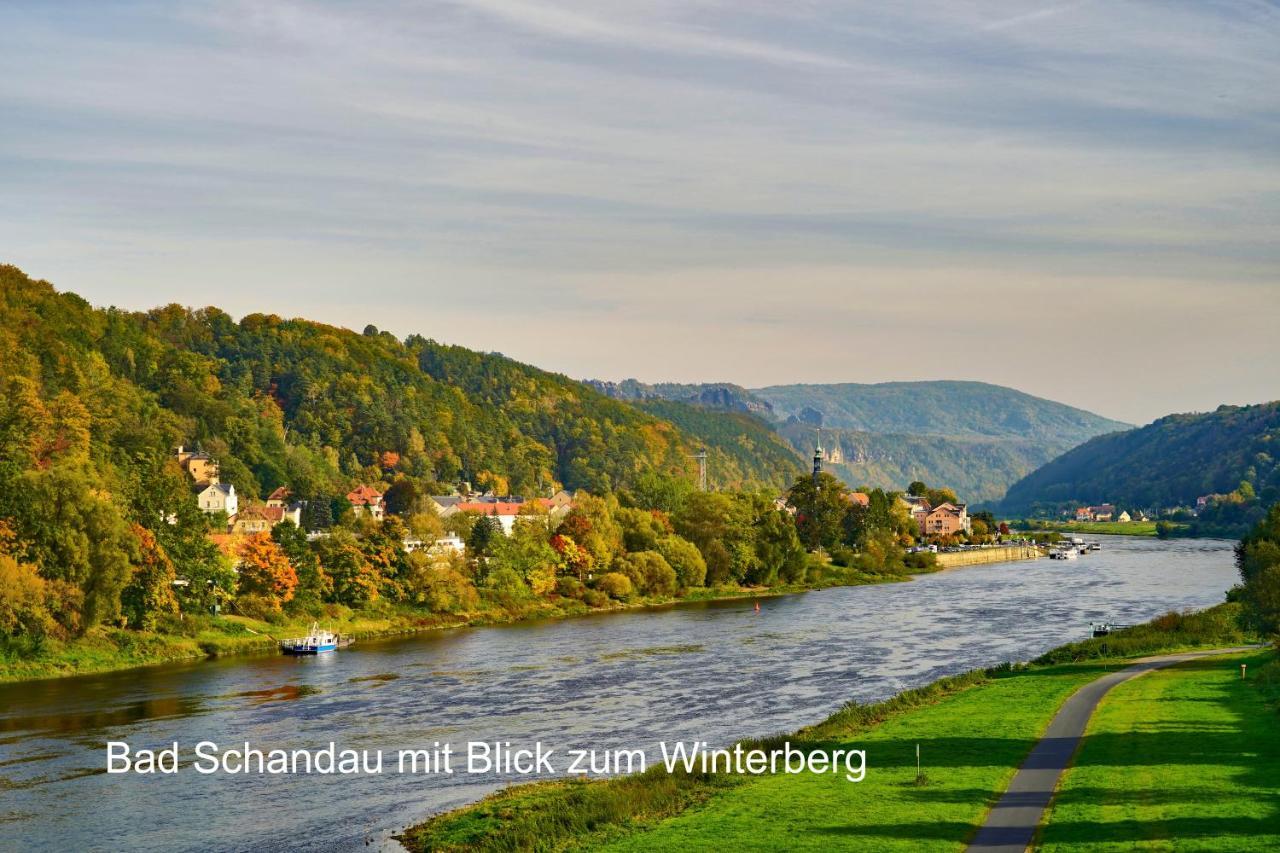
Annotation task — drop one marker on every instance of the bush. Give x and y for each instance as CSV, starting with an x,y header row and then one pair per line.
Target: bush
x,y
506,587
685,559
1217,626
615,585
595,598
921,561
570,588
649,572
264,607
444,590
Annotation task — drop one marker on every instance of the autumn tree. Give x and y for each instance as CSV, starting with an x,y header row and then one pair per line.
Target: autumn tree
x,y
314,586
265,570
355,582
149,593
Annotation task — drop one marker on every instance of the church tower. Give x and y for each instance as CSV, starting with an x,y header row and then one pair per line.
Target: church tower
x,y
817,459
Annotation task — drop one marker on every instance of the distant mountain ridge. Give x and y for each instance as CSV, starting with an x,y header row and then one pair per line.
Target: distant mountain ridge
x,y
944,407
1167,463
714,395
972,436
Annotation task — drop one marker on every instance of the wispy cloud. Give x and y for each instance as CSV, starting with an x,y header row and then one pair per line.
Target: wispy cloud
x,y
576,157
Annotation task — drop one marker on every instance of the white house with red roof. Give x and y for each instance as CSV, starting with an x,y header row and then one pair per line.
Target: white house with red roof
x,y
366,500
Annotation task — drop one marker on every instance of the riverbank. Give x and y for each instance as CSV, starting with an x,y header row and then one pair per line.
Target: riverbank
x,y
980,556
106,649
973,731
1108,528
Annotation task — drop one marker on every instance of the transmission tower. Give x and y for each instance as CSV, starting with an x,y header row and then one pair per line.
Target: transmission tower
x,y
702,468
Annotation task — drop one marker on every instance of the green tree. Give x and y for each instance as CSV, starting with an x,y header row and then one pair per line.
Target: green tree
x,y
484,534
685,558
649,572
820,510
655,490
641,529
527,553
1258,561
355,582
780,553
314,586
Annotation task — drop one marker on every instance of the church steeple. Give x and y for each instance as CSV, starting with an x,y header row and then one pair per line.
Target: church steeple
x,y
817,458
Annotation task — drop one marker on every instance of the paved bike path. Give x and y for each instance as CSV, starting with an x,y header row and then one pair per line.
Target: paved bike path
x,y
1012,823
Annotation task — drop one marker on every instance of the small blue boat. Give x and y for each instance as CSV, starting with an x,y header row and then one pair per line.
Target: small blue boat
x,y
317,641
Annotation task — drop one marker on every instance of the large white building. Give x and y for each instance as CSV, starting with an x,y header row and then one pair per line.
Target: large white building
x,y
219,497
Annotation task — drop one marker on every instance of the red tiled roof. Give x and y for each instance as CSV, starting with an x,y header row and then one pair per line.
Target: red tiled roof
x,y
860,498
273,514
362,495
497,508
279,494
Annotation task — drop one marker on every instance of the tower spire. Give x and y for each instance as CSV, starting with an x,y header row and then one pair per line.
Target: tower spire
x,y
817,458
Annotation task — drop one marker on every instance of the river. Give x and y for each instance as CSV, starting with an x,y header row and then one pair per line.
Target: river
x,y
713,672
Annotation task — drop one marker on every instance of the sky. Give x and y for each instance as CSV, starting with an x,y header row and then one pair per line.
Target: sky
x,y
1077,199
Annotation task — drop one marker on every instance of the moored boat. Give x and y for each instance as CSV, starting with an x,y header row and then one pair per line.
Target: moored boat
x,y
317,641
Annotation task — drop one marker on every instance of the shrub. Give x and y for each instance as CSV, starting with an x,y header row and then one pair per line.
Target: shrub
x,y
649,572
570,588
615,585
506,587
256,606
685,559
1217,626
595,598
921,561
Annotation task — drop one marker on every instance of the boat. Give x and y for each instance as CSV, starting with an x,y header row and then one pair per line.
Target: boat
x,y
318,641
1095,546
1064,554
1102,629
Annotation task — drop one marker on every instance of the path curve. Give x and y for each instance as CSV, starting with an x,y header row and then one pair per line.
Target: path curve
x,y
1013,820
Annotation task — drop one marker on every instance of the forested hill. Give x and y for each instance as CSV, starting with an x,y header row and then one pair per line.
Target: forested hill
x,y
739,445
937,408
318,408
1168,463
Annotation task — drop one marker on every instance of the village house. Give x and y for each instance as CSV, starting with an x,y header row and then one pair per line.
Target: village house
x,y
946,519
918,508
1103,512
199,466
860,498
444,504
366,500
561,500
448,544
505,511
280,497
218,497
256,518
1124,517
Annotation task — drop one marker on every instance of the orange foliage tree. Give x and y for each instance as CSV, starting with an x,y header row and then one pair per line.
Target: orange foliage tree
x,y
265,569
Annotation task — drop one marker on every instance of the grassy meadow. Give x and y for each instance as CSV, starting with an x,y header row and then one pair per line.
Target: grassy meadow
x,y
1186,758
973,731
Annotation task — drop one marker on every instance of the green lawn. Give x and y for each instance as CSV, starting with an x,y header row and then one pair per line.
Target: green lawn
x,y
974,730
1114,528
1186,758
971,744
972,738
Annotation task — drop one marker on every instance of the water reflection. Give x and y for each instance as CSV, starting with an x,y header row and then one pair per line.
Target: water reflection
x,y
710,671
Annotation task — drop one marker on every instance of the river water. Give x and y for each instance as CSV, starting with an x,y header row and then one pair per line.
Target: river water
x,y
712,672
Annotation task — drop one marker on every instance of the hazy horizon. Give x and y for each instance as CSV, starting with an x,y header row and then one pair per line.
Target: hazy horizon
x,y
1077,200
